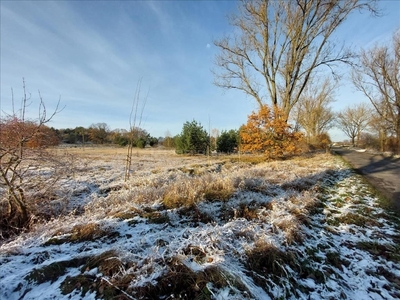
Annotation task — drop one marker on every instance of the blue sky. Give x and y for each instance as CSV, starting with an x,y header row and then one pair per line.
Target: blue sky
x,y
93,53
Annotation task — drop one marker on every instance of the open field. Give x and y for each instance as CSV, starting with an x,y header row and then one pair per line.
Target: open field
x,y
192,227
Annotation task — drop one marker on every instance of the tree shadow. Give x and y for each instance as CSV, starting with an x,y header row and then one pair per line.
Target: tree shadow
x,y
382,173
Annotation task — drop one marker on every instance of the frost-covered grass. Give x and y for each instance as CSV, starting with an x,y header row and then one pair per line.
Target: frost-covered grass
x,y
199,228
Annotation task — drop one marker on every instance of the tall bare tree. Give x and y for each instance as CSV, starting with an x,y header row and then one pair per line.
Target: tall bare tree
x,y
353,120
382,128
135,121
378,77
314,114
279,44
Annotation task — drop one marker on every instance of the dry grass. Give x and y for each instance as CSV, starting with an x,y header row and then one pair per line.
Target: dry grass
x,y
53,271
110,266
266,259
81,233
291,228
189,191
195,215
218,189
388,251
186,192
108,263
177,282
180,282
353,218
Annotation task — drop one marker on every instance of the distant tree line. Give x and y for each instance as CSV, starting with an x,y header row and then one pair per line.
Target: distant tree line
x,y
100,133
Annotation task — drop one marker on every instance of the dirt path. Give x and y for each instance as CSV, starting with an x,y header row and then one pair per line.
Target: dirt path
x,y
382,172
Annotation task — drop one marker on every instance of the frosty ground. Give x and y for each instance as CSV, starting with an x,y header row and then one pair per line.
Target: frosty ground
x,y
194,227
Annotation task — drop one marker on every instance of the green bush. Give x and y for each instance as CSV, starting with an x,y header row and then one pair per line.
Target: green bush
x,y
193,139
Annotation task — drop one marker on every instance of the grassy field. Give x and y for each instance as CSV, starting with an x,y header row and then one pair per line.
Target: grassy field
x,y
193,227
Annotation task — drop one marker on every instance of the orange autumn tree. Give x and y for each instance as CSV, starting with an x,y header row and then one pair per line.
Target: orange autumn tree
x,y
268,132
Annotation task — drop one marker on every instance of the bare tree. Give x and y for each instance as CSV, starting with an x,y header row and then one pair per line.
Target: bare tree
x,y
354,120
382,128
278,45
313,111
168,140
135,122
21,151
213,138
378,77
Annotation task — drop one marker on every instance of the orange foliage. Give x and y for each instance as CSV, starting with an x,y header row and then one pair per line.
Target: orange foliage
x,y
14,132
268,132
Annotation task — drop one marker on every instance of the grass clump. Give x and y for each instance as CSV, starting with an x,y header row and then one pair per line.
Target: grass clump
x,y
107,263
267,260
80,282
156,217
195,214
110,266
180,282
334,259
53,271
387,251
249,159
222,194
182,193
82,233
352,218
189,191
126,215
249,212
291,229
87,232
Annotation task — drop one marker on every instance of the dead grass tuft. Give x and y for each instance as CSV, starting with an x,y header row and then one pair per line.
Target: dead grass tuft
x,y
54,270
156,217
353,218
111,267
87,232
387,251
180,282
82,282
291,228
82,233
189,191
249,212
218,189
334,259
185,192
249,159
126,215
107,263
195,214
267,260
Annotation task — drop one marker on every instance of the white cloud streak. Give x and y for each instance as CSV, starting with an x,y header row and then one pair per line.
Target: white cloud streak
x,y
93,54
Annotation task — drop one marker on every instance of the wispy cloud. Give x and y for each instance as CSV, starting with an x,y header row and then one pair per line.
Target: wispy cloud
x,y
93,53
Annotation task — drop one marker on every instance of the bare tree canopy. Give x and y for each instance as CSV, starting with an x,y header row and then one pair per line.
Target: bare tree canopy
x,y
378,77
314,114
354,120
278,45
